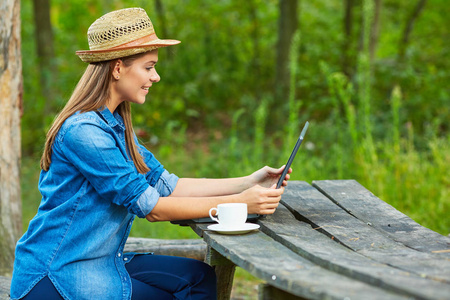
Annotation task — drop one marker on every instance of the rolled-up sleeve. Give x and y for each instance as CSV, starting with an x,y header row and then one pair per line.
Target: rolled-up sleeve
x,y
96,154
163,181
166,183
146,202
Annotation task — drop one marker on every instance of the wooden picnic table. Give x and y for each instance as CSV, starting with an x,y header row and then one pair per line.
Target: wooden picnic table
x,y
334,239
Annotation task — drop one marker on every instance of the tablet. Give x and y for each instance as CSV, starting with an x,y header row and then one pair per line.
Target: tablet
x,y
291,158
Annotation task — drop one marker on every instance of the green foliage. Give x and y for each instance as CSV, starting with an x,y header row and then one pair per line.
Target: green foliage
x,y
385,124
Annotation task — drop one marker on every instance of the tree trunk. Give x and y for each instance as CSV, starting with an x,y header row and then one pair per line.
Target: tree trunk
x,y
10,112
375,29
408,29
346,47
45,51
255,64
287,25
162,25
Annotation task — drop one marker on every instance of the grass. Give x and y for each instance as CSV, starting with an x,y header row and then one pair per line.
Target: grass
x,y
406,171
416,183
411,176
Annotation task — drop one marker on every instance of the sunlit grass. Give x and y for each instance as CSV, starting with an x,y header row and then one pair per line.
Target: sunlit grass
x,y
415,183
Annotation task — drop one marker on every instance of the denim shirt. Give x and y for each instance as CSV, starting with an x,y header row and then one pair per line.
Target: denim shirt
x,y
90,196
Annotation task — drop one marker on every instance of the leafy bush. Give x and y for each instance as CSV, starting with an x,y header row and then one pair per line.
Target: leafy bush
x,y
385,124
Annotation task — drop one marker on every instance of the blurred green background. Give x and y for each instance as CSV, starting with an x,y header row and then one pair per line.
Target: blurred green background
x,y
372,77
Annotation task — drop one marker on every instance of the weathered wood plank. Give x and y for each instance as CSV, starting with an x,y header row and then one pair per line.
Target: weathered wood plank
x,y
310,205
198,228
301,238
361,203
271,261
191,248
5,283
268,292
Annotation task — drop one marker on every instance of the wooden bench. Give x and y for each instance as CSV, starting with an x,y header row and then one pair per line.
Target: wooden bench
x,y
334,240
5,283
185,248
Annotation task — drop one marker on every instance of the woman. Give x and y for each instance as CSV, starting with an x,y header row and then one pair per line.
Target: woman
x,y
96,178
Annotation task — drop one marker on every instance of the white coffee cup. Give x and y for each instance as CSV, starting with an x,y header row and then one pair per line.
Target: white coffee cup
x,y
230,215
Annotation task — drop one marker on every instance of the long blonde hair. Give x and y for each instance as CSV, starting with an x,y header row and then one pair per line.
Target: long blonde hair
x,y
90,94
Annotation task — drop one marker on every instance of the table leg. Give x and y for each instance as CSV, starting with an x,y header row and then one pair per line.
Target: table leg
x,y
224,269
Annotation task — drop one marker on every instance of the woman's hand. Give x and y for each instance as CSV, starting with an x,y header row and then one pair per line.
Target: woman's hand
x,y
261,200
268,176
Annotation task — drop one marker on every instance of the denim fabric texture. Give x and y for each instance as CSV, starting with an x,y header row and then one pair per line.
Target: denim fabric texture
x,y
90,197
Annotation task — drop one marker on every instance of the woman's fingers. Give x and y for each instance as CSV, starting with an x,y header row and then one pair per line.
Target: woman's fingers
x,y
273,191
264,200
269,208
287,177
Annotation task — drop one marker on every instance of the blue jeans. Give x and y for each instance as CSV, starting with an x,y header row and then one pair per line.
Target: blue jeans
x,y
155,277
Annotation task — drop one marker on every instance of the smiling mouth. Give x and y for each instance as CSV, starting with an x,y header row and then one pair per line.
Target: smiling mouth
x,y
145,88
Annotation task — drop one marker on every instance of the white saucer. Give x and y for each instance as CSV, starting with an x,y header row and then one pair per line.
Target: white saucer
x,y
238,230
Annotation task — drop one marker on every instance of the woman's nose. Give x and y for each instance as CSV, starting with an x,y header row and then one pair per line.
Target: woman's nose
x,y
154,77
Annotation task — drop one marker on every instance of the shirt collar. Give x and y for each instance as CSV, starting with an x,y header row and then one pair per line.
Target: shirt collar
x,y
112,119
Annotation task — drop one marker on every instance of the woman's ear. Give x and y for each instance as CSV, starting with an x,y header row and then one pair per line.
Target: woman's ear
x,y
116,67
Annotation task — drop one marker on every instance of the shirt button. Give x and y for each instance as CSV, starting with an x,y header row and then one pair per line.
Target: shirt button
x,y
125,258
119,255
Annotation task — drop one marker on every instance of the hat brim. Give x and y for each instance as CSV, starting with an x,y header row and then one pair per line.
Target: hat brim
x,y
118,52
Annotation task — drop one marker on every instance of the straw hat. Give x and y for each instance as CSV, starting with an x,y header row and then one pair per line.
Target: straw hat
x,y
121,33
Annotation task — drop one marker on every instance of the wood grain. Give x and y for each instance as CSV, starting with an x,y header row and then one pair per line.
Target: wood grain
x,y
5,283
271,261
320,249
11,88
361,203
308,204
190,248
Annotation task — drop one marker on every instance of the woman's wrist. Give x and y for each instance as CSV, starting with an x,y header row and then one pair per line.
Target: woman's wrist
x,y
248,181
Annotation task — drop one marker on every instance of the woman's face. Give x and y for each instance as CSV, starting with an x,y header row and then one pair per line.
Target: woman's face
x,y
132,81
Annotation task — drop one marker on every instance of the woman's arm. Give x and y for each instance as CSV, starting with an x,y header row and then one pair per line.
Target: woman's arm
x,y
193,198
203,187
260,200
